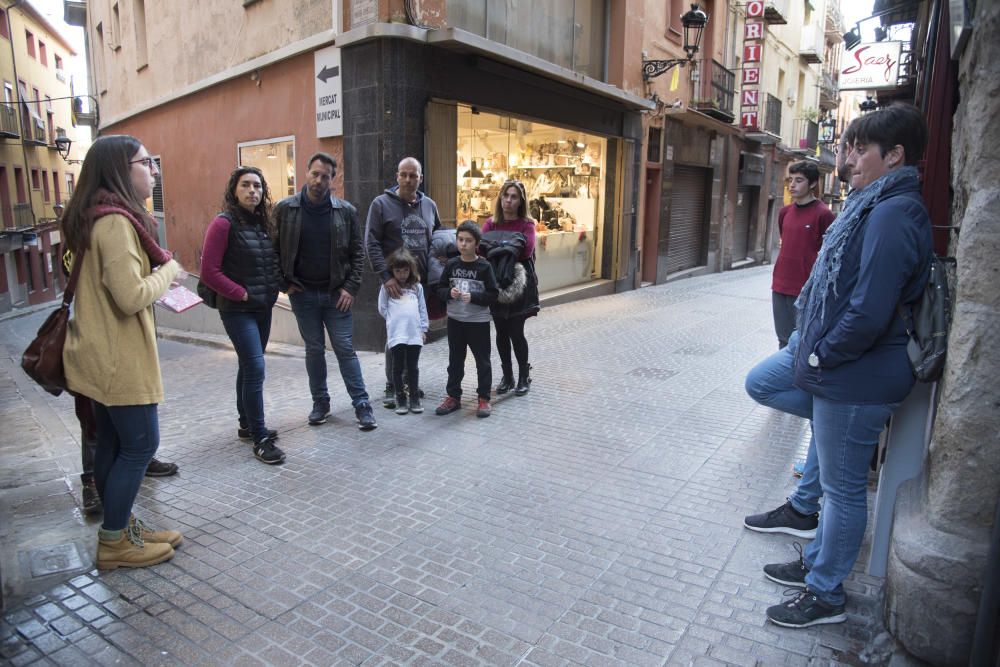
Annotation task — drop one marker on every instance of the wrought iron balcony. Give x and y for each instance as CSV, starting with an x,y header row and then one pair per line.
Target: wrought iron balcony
x,y
717,93
8,121
23,219
829,92
806,136
772,115
36,137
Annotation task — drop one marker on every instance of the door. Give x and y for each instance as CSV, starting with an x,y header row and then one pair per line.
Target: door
x,y
741,222
686,242
8,212
650,224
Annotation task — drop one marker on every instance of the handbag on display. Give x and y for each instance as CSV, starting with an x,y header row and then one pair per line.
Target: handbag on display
x,y
43,359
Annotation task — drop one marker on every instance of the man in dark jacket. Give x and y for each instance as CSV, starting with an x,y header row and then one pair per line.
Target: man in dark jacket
x,y
318,239
400,217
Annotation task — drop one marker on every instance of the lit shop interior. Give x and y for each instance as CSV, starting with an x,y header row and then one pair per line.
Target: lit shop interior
x,y
563,172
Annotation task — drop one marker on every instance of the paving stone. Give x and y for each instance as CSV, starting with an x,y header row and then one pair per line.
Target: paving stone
x,y
606,533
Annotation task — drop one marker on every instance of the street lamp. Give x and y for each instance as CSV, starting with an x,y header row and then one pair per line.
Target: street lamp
x,y
694,23
868,105
63,144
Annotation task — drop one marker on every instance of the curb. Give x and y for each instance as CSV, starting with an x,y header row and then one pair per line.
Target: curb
x,y
223,342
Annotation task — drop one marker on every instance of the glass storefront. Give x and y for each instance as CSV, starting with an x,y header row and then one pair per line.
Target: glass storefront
x,y
563,172
276,160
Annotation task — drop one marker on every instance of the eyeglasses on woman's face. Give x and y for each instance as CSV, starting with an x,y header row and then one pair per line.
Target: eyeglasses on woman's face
x,y
147,162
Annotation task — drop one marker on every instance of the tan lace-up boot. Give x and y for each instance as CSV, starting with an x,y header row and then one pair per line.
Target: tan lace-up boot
x,y
150,534
128,550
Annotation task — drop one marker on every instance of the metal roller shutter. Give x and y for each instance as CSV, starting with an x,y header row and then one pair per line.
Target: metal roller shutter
x,y
687,218
741,223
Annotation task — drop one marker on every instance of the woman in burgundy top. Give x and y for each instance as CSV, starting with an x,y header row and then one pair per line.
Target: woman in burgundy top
x,y
510,216
239,263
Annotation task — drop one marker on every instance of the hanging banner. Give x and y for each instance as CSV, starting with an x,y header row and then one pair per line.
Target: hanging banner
x,y
871,66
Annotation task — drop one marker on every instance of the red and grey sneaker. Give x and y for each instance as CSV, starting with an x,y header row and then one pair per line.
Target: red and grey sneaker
x,y
484,409
448,405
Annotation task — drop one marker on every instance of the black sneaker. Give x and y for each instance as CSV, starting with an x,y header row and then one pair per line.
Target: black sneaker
x,y
389,398
791,574
415,406
401,406
267,452
157,468
506,384
319,414
805,610
366,419
786,520
243,433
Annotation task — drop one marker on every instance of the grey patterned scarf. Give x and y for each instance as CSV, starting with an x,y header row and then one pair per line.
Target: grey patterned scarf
x,y
823,277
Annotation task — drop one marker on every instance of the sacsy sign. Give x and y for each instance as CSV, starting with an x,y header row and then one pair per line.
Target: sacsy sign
x,y
753,46
871,66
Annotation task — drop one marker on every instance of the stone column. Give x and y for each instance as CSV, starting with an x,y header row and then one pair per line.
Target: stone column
x,y
943,520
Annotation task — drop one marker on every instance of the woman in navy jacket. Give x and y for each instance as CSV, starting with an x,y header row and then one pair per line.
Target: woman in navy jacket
x,y
850,356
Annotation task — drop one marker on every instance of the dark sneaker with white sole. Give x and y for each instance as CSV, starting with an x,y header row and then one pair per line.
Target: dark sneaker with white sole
x,y
267,452
158,468
784,519
320,413
804,611
791,574
389,398
365,416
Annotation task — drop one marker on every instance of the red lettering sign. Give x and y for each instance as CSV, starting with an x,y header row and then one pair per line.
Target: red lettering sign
x,y
748,120
860,62
751,76
751,98
755,9
751,53
753,30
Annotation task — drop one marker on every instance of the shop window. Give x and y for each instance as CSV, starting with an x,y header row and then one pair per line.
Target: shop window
x,y
276,160
563,172
29,40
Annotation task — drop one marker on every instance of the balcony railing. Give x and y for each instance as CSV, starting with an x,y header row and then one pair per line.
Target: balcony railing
x,y
37,134
772,115
8,121
826,156
829,93
806,135
718,91
22,216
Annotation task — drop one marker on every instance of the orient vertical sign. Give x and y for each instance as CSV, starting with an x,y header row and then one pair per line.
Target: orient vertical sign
x,y
871,66
753,48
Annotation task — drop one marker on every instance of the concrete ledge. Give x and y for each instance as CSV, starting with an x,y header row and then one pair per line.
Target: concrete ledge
x,y
577,292
688,273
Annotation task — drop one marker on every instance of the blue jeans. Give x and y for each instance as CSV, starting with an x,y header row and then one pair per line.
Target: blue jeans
x,y
127,438
770,383
249,333
314,310
845,439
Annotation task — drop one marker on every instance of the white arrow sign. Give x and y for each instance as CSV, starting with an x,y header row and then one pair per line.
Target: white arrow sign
x,y
329,106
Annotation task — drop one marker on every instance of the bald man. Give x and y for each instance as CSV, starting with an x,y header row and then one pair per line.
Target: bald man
x,y
400,217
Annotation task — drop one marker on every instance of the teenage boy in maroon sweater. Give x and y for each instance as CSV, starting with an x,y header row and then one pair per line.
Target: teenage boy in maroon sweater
x,y
801,226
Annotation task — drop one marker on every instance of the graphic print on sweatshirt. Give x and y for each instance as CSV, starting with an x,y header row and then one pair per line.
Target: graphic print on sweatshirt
x,y
413,229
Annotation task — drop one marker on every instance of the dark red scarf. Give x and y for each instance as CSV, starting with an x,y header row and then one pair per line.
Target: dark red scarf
x,y
108,203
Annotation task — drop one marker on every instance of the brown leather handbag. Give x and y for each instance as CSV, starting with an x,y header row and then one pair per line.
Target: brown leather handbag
x,y
43,360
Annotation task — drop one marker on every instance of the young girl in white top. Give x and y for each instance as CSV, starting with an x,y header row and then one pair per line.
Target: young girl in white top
x,y
406,326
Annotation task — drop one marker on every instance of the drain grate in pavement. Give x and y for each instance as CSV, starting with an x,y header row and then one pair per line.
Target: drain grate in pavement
x,y
700,350
50,560
652,373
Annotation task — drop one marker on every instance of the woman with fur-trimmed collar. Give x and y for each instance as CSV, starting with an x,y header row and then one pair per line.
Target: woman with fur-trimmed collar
x,y
510,214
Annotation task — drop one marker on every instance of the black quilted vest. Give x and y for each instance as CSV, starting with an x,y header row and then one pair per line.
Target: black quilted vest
x,y
251,261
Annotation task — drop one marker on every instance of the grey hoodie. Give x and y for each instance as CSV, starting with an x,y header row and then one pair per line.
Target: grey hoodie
x,y
393,223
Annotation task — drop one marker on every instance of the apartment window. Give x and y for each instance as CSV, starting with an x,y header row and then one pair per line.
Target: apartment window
x,y
69,185
59,62
38,102
4,28
139,19
43,55
45,185
22,196
99,58
36,183
8,92
51,127
29,39
55,187
675,30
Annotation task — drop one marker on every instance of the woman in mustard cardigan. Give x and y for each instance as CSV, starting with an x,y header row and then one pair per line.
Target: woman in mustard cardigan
x,y
110,354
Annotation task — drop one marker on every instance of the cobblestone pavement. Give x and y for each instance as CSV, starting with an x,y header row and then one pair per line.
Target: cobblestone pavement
x,y
595,521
